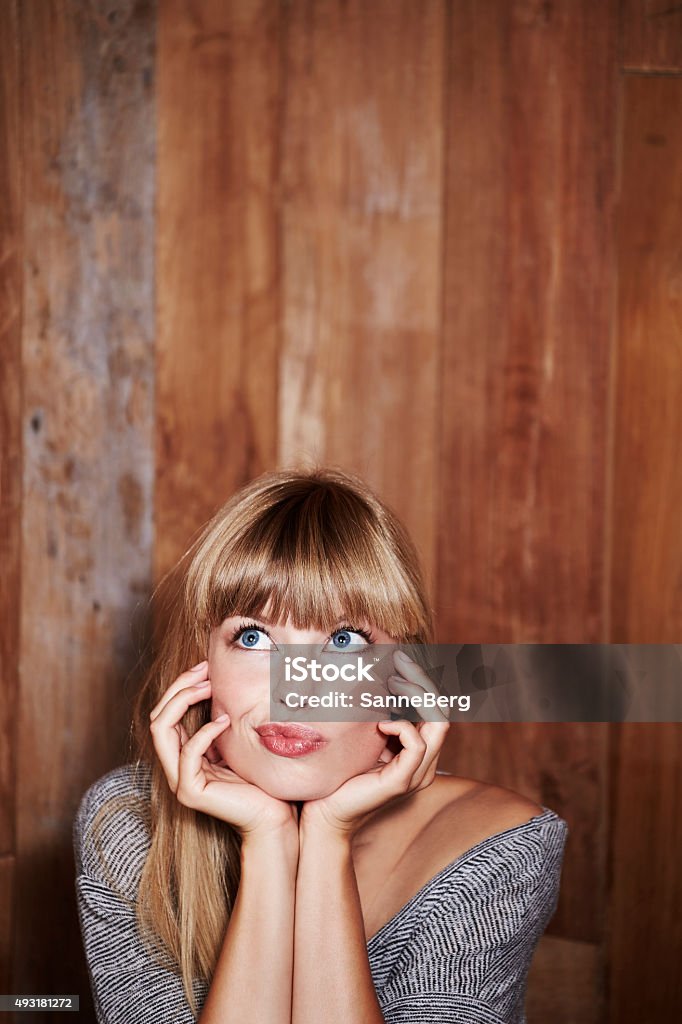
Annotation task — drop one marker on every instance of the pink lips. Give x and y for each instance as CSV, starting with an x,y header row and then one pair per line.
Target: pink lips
x,y
289,740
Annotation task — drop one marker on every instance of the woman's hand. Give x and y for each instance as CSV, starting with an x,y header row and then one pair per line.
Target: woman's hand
x,y
413,768
197,782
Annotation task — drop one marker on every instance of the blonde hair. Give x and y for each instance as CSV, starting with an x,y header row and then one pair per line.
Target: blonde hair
x,y
311,544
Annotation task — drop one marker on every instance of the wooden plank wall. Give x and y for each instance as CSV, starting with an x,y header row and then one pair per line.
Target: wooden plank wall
x,y
217,103
85,238
10,463
436,243
644,595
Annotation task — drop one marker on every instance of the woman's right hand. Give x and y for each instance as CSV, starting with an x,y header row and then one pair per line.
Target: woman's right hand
x,y
198,783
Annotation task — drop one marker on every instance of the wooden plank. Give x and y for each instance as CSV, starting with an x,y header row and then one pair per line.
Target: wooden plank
x,y
564,983
647,758
527,313
361,236
647,487
218,275
645,913
10,409
88,140
651,35
6,920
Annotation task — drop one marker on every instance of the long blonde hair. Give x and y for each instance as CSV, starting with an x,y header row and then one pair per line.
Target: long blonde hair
x,y
305,543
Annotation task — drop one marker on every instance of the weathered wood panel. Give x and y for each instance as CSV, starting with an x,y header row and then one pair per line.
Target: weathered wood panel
x,y
88,139
10,461
361,237
646,885
576,985
7,870
651,35
523,421
10,410
644,922
647,488
218,101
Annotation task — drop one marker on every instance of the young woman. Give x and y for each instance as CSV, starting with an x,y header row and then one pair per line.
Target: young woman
x,y
243,871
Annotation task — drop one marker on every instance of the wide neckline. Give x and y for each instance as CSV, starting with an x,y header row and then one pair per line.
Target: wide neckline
x,y
482,844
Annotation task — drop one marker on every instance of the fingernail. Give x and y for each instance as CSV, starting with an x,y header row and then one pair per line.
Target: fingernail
x,y
220,718
395,679
195,668
204,682
404,657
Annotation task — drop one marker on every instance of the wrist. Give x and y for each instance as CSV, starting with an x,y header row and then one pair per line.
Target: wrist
x,y
281,842
316,830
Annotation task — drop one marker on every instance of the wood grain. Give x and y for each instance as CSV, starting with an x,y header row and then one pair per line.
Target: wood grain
x,y
530,199
11,254
218,96
646,837
647,458
645,883
526,353
576,986
651,35
361,234
88,463
7,866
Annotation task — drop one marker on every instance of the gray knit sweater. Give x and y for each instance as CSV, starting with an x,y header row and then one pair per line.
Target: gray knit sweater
x,y
458,950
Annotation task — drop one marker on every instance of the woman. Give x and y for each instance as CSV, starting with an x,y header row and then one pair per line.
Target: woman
x,y
236,873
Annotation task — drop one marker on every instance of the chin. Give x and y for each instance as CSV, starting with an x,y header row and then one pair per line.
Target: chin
x,y
301,789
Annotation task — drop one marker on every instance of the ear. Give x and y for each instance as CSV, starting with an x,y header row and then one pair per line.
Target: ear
x,y
394,745
391,750
213,755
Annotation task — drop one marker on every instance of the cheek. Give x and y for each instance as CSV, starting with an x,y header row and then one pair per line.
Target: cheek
x,y
364,743
238,687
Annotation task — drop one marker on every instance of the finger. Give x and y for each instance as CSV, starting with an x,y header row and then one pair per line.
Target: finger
x,y
409,668
192,780
174,709
398,685
402,768
191,677
434,735
415,682
386,756
167,737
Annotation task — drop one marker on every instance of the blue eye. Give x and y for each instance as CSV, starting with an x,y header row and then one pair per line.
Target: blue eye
x,y
346,637
251,638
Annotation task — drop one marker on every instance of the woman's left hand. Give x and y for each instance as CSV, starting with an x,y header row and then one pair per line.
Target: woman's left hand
x,y
413,768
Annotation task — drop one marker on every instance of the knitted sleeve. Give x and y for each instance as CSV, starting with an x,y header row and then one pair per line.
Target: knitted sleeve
x,y
472,938
129,985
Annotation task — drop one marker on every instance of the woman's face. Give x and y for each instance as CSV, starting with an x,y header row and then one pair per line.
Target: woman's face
x,y
239,671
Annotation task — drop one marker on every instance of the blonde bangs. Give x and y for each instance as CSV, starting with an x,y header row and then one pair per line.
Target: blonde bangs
x,y
318,552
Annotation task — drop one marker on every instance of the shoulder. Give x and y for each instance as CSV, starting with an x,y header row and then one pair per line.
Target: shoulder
x,y
467,938
468,813
111,828
500,850
485,798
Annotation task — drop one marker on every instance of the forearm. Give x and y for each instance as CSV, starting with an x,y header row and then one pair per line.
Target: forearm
x,y
332,977
252,982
